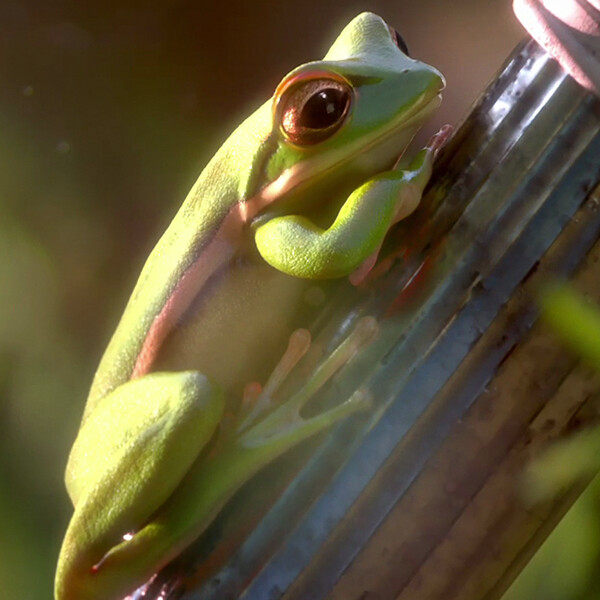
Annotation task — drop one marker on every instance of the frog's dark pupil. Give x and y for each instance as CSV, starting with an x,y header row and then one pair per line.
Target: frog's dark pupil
x,y
323,109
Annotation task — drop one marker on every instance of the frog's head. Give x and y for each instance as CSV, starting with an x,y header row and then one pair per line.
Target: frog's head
x,y
341,120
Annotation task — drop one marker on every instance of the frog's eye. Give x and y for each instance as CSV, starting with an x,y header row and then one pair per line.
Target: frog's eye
x,y
311,109
399,41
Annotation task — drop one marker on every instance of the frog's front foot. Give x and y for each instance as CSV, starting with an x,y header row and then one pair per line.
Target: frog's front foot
x,y
264,422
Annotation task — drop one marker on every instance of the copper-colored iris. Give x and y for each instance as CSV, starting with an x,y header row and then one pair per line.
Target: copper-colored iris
x,y
312,109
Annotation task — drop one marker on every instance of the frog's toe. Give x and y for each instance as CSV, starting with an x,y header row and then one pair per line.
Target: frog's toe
x,y
258,400
284,421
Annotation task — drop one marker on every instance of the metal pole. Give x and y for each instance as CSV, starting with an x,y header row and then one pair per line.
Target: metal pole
x,y
417,499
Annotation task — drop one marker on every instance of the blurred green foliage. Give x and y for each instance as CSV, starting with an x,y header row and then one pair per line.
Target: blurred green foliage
x,y
566,565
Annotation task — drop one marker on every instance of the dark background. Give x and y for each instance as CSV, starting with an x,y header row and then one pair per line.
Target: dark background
x,y
107,115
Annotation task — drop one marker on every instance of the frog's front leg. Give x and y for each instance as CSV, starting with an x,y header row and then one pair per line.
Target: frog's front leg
x,y
295,245
121,470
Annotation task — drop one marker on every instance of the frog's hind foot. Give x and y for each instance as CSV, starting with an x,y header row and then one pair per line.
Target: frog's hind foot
x,y
268,422
258,400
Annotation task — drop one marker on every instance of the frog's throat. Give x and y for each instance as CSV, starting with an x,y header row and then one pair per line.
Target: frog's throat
x,y
221,248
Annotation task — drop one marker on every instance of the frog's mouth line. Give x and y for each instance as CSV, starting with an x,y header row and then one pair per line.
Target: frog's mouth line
x,y
221,248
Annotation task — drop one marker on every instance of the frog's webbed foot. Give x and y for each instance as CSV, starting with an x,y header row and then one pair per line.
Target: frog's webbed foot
x,y
264,421
257,399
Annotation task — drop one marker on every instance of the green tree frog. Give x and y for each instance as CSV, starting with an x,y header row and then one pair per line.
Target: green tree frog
x,y
305,189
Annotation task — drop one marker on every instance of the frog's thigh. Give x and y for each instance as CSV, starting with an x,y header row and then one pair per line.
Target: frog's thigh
x,y
130,455
146,433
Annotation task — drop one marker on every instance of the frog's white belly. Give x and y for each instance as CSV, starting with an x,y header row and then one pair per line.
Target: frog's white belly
x,y
238,328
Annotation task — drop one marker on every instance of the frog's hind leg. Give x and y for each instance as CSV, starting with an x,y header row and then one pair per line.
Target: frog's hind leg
x,y
131,454
266,431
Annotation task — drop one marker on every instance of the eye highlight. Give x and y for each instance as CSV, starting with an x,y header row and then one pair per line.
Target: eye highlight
x,y
310,109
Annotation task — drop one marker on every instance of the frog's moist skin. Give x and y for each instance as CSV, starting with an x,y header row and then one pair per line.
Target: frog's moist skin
x,y
304,190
